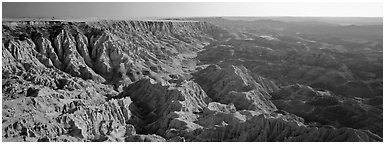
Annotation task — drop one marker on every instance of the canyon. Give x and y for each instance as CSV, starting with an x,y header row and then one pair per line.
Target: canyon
x,y
189,80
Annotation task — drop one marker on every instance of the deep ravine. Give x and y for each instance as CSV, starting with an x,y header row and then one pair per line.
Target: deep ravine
x,y
141,81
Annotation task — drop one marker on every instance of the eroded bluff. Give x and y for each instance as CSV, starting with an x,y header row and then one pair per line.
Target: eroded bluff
x,y
137,81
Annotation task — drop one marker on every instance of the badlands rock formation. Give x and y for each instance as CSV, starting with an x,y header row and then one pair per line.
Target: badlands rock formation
x,y
234,85
324,108
144,81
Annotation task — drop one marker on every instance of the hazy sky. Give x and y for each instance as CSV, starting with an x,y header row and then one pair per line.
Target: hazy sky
x,y
174,9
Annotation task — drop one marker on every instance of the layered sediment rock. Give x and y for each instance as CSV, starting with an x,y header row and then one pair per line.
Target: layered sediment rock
x,y
116,52
55,70
167,108
324,107
234,85
33,111
138,81
261,128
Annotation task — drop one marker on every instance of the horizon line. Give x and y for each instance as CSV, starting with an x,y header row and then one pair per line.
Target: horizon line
x,y
208,16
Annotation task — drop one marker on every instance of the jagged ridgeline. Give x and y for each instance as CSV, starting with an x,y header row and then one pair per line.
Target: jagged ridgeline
x,y
107,51
139,81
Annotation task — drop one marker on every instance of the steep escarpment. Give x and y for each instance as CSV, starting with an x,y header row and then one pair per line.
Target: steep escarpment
x,y
270,48
186,113
118,52
167,109
60,79
326,82
34,104
233,84
145,81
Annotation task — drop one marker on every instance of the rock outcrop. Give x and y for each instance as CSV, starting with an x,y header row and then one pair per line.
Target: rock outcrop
x,y
53,75
325,108
233,84
263,129
142,81
167,109
118,52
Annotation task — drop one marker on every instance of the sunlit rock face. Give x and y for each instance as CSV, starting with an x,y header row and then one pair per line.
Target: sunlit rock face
x,y
170,81
233,84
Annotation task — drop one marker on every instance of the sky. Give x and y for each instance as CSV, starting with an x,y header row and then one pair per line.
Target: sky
x,y
195,9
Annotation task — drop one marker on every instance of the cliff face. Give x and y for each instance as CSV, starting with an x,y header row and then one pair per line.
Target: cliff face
x,y
167,110
56,70
139,81
234,85
118,52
